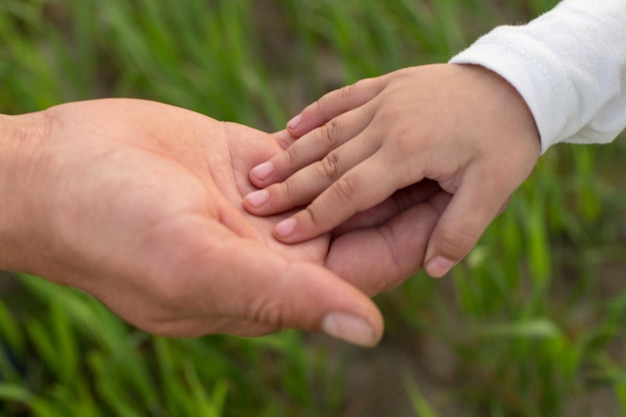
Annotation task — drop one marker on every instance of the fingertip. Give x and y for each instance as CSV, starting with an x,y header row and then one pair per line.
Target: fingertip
x,y
255,200
294,122
260,173
438,266
351,328
299,125
296,229
285,228
302,124
305,121
462,222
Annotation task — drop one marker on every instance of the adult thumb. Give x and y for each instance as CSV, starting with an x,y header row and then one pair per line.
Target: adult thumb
x,y
265,288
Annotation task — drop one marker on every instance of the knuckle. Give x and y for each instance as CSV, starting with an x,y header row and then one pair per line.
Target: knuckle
x,y
320,106
344,190
455,244
270,312
407,139
317,107
316,216
291,156
330,166
346,93
327,212
330,133
288,189
335,128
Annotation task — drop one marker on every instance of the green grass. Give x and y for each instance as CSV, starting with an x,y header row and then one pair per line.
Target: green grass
x,y
529,323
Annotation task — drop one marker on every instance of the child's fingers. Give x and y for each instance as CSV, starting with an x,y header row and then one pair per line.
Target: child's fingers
x,y
306,184
477,202
399,201
310,148
364,186
333,104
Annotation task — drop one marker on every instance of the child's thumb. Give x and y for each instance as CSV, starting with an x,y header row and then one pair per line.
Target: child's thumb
x,y
462,222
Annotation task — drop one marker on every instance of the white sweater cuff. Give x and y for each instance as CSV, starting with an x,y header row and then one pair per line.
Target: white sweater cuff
x,y
569,65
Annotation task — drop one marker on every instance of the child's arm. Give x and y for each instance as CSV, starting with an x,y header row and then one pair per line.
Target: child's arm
x,y
569,65
461,125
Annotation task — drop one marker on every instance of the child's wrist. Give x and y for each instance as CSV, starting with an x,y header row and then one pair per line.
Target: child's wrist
x,y
510,98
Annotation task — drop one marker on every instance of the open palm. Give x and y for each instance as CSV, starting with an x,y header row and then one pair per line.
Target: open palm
x,y
140,204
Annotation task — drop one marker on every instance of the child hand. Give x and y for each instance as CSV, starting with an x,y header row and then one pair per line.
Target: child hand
x,y
462,126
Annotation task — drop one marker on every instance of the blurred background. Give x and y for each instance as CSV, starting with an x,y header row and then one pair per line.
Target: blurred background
x,y
530,325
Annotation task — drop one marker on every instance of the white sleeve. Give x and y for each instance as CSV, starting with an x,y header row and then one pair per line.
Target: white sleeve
x,y
569,65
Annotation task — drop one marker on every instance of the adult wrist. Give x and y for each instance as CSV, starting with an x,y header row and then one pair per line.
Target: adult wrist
x,y
20,137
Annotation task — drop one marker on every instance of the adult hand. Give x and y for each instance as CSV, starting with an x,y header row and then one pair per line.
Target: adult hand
x,y
139,204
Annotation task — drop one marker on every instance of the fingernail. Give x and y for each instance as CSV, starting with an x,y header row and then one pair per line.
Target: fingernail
x,y
350,328
293,123
262,171
286,227
439,266
257,198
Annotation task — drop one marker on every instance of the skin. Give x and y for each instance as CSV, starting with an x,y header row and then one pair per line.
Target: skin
x,y
140,204
461,126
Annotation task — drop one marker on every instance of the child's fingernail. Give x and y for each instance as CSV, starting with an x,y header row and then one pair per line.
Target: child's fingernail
x,y
439,266
262,171
286,227
293,123
257,198
350,328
